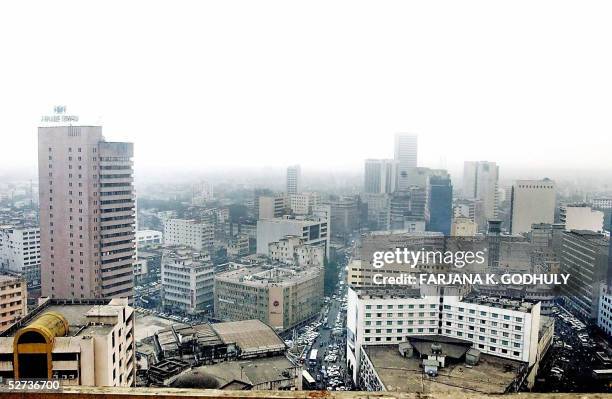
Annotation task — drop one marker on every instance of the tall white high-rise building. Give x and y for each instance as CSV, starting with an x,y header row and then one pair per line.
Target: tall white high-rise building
x,y
480,182
533,201
380,176
87,213
406,157
293,179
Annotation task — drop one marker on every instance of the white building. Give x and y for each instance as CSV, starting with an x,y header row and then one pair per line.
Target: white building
x,y
581,217
192,233
20,251
149,237
294,250
463,227
304,203
602,203
380,176
495,326
533,201
293,179
604,316
480,182
187,280
238,246
406,158
314,231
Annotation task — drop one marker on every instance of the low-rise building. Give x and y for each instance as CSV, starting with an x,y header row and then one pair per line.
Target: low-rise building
x,y
294,250
281,297
313,230
81,342
149,237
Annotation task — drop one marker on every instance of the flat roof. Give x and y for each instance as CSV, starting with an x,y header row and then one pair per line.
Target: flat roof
x,y
492,375
251,336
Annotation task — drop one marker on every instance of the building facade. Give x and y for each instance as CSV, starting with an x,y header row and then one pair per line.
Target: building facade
x,y
13,300
314,231
439,204
20,252
380,176
87,213
532,201
189,232
187,279
405,154
293,179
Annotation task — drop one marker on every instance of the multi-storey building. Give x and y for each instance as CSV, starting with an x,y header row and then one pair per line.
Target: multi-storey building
x,y
496,326
532,201
294,250
293,179
87,218
313,230
238,246
581,217
271,206
282,297
604,314
584,256
20,251
380,176
149,237
439,204
601,203
303,203
187,280
189,232
463,227
344,215
405,154
13,300
86,342
480,182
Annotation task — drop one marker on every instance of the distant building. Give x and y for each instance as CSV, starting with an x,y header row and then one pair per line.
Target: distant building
x,y
380,176
602,203
533,201
187,279
314,230
480,182
80,342
304,203
581,217
87,213
584,256
238,246
294,250
463,227
20,251
405,154
271,206
293,179
344,215
280,297
149,237
439,204
604,314
13,300
378,210
189,232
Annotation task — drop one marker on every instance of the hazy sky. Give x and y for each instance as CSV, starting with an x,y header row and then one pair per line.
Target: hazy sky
x,y
321,83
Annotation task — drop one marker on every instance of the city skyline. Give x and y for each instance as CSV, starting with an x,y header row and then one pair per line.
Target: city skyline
x,y
548,98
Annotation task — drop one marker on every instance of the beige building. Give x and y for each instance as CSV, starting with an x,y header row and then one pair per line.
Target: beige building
x,y
463,227
80,342
87,216
13,300
189,232
280,297
533,201
271,206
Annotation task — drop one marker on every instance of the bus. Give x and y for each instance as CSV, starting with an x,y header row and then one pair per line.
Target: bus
x,y
312,360
308,382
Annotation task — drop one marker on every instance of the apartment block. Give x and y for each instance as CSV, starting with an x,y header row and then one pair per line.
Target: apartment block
x,y
149,237
189,232
88,342
20,251
13,300
187,279
581,217
271,206
304,203
87,213
532,201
